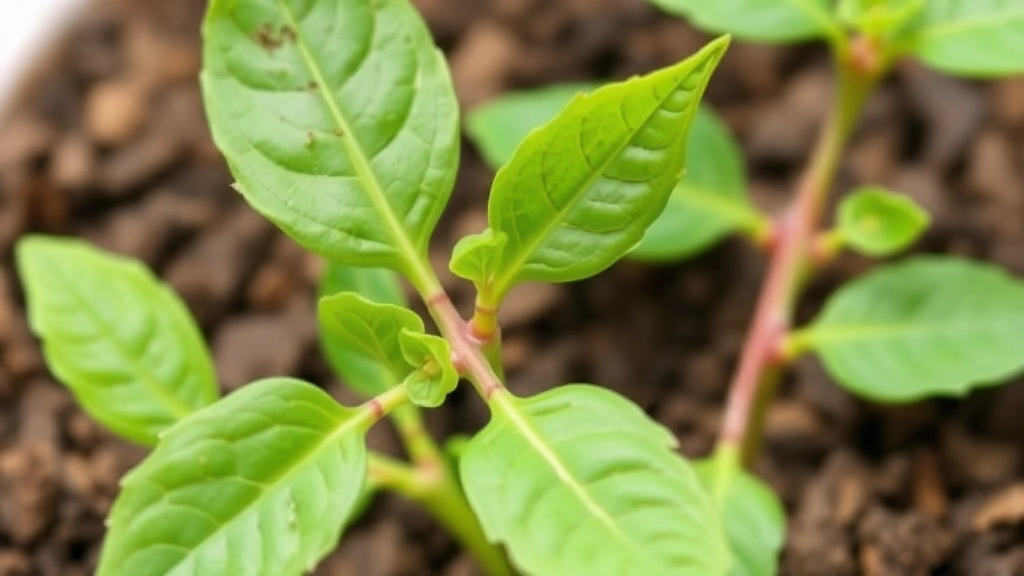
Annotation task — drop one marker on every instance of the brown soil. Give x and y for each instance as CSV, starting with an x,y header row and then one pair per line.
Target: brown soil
x,y
109,143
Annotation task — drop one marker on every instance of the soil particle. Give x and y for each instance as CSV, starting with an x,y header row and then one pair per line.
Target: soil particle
x,y
936,97
263,345
211,272
115,111
910,544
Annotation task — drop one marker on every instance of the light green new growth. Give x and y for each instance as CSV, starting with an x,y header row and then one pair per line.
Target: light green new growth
x,y
709,203
362,373
435,376
123,342
877,222
580,191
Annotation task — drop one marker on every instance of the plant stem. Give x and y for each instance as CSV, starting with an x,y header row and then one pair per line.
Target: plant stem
x,y
436,489
761,359
417,441
467,354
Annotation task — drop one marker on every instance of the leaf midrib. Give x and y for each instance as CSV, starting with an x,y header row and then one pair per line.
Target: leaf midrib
x,y
512,270
533,437
178,409
360,162
272,484
852,332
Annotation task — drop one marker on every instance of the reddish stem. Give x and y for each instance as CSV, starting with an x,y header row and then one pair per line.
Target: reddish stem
x,y
466,348
793,238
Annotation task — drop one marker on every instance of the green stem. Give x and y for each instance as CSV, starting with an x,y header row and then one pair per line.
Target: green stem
x,y
437,490
417,441
761,358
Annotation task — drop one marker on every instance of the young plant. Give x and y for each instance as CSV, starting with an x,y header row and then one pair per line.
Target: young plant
x,y
930,325
339,122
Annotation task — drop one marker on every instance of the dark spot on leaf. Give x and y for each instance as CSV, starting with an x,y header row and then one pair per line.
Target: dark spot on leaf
x,y
339,132
288,34
310,139
271,39
312,85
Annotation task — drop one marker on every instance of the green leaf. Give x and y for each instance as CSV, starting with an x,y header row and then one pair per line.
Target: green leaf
x,y
370,330
124,343
598,489
475,256
362,373
338,119
499,126
755,522
779,21
709,203
982,38
877,222
580,191
435,376
879,18
258,484
927,326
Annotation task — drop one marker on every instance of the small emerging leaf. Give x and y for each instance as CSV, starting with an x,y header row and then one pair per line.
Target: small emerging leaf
x,y
124,343
755,522
877,222
370,329
779,21
927,326
362,373
580,191
598,489
258,484
982,38
338,119
475,256
435,376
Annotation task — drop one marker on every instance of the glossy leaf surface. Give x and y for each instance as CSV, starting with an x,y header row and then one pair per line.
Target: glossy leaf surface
x,y
759,20
877,222
362,373
338,119
578,481
122,341
708,203
755,522
971,37
581,190
435,375
258,484
927,326
370,329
